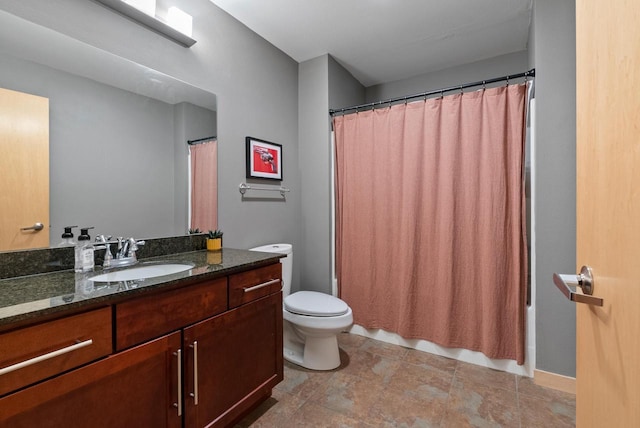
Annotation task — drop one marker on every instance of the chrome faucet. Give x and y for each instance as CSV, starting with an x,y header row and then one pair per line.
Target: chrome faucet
x,y
129,248
122,247
125,253
108,257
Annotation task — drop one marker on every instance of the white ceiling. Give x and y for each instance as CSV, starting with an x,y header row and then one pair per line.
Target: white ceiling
x,y
381,41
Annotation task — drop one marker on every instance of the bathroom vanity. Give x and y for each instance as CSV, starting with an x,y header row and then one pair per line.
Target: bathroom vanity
x,y
196,348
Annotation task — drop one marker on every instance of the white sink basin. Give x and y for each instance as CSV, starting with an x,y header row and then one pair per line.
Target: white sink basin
x,y
142,272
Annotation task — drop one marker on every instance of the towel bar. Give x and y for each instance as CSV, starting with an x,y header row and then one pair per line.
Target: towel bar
x,y
243,187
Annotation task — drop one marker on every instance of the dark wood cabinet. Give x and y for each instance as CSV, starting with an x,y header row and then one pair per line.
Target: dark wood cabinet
x,y
247,286
35,353
135,388
198,354
145,318
232,361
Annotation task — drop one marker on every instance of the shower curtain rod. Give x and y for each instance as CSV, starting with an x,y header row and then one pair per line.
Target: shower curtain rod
x,y
200,140
526,74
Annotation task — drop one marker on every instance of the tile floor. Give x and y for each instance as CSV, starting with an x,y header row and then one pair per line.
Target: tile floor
x,y
383,385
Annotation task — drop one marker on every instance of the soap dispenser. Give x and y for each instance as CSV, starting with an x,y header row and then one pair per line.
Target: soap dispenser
x,y
67,237
84,251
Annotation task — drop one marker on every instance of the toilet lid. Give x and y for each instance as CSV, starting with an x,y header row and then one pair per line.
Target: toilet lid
x,y
315,304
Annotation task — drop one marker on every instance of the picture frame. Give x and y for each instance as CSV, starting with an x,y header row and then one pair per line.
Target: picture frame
x,y
264,159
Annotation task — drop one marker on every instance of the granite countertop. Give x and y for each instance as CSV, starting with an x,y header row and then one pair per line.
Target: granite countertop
x,y
27,298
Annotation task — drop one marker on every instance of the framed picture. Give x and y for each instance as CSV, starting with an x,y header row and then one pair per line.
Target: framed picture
x,y
264,159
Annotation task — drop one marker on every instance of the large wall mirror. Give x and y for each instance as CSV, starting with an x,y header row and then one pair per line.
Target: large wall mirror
x,y
118,133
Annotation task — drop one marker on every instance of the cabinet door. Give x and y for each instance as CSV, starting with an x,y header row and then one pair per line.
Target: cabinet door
x,y
232,362
136,388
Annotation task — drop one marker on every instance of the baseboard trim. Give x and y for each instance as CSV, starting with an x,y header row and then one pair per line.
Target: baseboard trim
x,y
555,381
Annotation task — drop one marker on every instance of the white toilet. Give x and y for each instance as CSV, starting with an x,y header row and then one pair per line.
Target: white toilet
x,y
312,320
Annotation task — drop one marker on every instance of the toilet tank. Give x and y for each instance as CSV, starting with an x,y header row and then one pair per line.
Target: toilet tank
x,y
287,262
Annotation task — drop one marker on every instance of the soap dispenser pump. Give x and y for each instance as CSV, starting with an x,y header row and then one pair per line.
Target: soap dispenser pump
x,y
84,251
67,237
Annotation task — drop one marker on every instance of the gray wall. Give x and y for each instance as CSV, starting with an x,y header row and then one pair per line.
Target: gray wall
x,y
555,62
323,84
313,159
344,89
493,67
257,90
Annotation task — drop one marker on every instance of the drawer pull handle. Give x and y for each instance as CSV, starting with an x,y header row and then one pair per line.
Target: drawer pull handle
x,y
178,355
194,394
45,357
264,284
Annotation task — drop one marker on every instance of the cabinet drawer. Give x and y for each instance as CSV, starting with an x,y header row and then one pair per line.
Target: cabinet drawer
x,y
142,319
135,388
247,286
34,353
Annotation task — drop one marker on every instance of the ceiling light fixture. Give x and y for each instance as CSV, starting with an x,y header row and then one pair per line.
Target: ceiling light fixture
x,y
147,6
180,20
172,32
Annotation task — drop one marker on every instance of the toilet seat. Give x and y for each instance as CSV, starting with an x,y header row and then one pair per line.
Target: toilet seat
x,y
313,303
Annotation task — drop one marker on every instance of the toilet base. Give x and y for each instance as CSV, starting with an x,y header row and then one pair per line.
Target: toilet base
x,y
314,353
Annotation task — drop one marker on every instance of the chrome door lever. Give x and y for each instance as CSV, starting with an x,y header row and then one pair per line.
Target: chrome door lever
x,y
36,227
583,283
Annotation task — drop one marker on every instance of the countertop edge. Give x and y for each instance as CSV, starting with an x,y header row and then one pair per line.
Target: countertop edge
x,y
12,322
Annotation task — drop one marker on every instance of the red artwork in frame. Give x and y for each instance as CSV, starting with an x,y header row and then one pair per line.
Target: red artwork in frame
x,y
264,159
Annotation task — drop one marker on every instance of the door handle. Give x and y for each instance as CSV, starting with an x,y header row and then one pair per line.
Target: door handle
x,y
178,404
46,356
583,283
36,227
194,394
259,286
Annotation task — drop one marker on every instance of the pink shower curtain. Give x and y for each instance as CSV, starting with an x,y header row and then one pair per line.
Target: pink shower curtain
x,y
204,186
430,220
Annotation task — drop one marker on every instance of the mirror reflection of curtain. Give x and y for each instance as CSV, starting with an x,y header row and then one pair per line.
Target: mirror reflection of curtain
x,y
204,186
430,224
